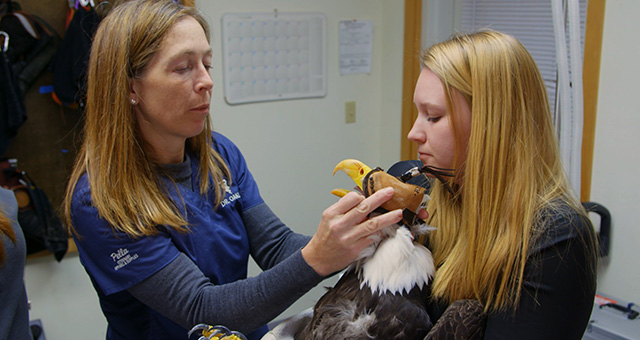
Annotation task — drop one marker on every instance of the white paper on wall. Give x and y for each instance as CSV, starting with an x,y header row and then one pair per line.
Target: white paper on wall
x,y
273,56
356,46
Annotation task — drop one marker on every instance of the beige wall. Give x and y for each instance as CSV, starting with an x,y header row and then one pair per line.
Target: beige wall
x,y
615,182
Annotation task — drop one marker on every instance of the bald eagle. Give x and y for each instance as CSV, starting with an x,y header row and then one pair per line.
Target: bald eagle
x,y
382,295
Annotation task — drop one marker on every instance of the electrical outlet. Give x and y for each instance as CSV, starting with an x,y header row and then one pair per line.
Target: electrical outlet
x,y
350,112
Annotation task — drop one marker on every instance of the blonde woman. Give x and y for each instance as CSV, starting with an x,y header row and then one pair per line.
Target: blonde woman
x,y
511,234
165,213
14,314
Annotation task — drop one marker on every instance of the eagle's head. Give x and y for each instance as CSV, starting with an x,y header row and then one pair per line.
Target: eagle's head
x,y
408,197
394,262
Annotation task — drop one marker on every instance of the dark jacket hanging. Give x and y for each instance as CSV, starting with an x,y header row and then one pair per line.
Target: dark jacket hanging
x,y
70,64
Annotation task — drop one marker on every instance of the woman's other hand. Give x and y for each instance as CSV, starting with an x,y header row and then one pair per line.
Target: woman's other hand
x,y
345,231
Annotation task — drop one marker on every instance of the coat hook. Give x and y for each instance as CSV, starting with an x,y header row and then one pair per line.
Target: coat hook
x,y
5,43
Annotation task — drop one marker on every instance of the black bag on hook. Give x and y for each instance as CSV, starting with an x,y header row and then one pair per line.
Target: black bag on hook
x,y
27,45
41,226
33,43
12,110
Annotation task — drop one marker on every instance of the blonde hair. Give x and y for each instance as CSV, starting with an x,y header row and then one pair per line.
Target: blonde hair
x,y
512,171
125,182
5,229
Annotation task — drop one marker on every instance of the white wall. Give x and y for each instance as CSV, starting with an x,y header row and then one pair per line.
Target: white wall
x,y
63,298
615,182
291,147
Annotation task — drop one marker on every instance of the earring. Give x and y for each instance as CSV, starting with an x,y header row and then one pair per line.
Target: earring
x,y
133,101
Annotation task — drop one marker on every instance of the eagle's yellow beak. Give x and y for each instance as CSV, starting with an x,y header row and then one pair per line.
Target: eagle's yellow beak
x,y
409,197
355,169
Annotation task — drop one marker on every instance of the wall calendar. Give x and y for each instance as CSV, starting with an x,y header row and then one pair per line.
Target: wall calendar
x,y
273,56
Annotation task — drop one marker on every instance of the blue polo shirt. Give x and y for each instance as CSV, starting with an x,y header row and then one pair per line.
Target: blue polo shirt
x,y
216,242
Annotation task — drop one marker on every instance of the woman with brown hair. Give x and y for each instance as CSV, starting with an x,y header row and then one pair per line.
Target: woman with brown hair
x,y
165,212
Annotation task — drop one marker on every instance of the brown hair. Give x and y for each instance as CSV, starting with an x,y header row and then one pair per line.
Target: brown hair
x,y
124,180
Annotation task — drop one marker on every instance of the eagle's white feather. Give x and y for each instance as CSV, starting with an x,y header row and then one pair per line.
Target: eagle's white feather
x,y
398,264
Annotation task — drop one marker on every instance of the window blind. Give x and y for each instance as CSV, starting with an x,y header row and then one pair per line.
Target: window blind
x,y
530,21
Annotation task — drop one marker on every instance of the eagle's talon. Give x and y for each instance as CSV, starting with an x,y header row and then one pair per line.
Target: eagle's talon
x,y
218,332
199,327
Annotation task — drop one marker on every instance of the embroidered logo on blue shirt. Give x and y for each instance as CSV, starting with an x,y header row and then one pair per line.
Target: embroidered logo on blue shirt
x,y
226,186
232,197
122,258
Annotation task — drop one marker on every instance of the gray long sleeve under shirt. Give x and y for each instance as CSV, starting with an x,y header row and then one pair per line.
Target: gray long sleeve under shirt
x,y
182,293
